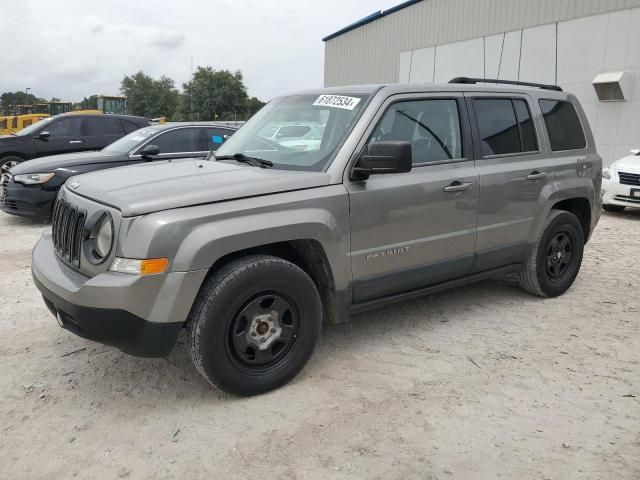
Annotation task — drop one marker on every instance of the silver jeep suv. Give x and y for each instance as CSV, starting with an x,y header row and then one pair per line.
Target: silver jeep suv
x,y
405,190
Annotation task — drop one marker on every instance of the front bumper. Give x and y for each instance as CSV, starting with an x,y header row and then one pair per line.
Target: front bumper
x,y
139,315
28,201
617,194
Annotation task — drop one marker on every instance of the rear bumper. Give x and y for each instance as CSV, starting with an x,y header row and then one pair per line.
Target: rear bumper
x,y
617,194
28,201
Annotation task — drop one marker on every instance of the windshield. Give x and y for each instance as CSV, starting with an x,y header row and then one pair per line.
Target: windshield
x,y
129,142
300,132
33,127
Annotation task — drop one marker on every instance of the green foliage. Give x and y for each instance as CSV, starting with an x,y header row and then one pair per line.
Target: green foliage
x,y
253,105
209,95
216,95
90,103
149,97
11,99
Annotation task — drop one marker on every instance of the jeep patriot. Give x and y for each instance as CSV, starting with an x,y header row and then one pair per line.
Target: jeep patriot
x,y
402,190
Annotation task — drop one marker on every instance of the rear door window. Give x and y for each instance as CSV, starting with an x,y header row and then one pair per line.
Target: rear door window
x,y
129,126
182,140
216,137
99,126
525,123
505,126
563,125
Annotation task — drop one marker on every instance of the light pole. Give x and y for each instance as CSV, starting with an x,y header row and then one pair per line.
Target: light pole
x,y
27,92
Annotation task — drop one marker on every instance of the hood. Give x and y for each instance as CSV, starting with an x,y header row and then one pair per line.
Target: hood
x,y
48,164
628,164
152,187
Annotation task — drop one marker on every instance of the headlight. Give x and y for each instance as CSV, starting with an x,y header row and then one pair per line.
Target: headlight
x,y
102,236
606,173
33,178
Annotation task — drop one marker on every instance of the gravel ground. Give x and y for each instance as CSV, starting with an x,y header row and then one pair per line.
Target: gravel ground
x,y
483,382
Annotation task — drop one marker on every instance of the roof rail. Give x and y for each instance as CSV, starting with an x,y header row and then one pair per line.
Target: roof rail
x,y
471,80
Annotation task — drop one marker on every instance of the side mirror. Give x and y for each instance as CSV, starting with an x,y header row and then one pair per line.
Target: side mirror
x,y
43,135
149,151
383,158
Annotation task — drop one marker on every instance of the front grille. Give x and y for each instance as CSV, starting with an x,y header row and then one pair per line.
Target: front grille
x,y
4,182
67,227
629,178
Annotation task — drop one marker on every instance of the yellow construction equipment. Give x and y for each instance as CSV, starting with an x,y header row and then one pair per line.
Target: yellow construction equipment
x,y
106,104
21,116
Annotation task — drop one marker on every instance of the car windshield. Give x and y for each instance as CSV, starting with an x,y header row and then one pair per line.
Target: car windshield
x,y
33,127
299,132
129,142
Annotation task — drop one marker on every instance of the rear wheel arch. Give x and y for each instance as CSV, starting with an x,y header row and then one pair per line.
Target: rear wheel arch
x,y
581,208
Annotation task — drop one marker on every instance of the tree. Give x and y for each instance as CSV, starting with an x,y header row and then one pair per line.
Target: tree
x,y
253,105
11,99
90,103
214,95
148,97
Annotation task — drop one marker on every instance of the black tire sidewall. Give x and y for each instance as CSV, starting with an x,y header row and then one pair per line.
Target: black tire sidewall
x,y
564,222
220,311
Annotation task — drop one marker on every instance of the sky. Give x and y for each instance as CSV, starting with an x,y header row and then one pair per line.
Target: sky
x,y
75,48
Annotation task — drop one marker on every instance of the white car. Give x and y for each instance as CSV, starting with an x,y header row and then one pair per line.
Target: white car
x,y
621,183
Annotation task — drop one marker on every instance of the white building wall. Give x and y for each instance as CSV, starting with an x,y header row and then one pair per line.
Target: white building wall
x,y
570,53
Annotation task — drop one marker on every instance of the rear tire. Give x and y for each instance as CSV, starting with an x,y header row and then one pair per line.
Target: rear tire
x,y
613,208
556,256
254,325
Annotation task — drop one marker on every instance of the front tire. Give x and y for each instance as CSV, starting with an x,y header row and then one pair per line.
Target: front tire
x,y
613,208
254,325
7,163
556,256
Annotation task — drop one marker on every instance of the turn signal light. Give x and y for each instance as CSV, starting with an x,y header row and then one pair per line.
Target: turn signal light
x,y
148,266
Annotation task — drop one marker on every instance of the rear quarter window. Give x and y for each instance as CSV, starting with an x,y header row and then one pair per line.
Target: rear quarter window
x,y
563,125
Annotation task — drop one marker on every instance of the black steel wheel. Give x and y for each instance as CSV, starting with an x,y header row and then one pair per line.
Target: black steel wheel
x,y
254,324
263,332
556,256
559,250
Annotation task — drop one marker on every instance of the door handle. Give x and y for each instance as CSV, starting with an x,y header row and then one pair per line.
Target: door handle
x,y
458,186
75,141
536,175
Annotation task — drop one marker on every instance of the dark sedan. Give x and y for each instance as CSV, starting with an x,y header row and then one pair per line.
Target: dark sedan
x,y
30,188
66,133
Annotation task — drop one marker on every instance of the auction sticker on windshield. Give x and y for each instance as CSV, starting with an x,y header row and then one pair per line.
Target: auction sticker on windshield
x,y
336,101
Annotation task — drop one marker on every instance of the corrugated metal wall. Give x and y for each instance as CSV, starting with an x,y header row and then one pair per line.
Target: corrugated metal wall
x,y
371,53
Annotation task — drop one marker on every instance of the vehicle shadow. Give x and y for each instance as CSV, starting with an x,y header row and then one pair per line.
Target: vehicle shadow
x,y
175,379
628,213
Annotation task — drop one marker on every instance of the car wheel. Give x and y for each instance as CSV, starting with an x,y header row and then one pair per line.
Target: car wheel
x,y
613,208
556,256
7,163
254,324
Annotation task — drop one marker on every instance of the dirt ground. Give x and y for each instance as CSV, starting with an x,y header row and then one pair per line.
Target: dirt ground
x,y
483,382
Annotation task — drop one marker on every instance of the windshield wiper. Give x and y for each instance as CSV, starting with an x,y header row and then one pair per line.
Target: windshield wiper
x,y
242,158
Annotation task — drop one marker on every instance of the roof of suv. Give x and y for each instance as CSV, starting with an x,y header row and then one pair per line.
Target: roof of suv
x,y
397,88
